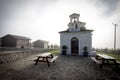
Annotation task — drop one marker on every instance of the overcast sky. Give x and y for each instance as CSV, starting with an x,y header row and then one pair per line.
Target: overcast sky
x,y
43,19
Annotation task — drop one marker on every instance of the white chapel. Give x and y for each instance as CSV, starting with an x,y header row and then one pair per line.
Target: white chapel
x,y
76,38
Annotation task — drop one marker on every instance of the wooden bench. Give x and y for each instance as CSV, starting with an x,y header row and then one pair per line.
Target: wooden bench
x,y
48,60
95,60
118,62
53,59
34,59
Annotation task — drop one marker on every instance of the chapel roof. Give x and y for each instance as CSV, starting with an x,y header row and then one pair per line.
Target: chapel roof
x,y
67,31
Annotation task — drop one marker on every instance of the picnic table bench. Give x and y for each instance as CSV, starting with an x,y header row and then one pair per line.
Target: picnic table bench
x,y
45,57
95,60
103,59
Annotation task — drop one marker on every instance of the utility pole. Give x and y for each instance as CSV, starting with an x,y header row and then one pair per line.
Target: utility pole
x,y
115,25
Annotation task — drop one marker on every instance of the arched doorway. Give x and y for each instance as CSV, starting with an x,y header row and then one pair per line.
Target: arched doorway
x,y
74,46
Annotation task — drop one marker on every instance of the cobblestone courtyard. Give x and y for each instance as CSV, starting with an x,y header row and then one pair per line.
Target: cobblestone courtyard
x,y
65,68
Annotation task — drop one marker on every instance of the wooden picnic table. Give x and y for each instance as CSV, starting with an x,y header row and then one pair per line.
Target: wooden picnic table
x,y
105,59
45,58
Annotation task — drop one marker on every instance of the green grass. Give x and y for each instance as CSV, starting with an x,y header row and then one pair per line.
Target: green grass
x,y
55,51
113,55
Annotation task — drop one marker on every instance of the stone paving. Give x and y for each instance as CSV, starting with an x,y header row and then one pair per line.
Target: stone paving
x,y
65,68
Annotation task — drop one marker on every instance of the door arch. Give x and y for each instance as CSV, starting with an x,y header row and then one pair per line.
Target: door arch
x,y
74,46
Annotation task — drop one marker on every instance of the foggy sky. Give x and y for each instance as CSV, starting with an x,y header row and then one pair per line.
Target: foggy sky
x,y
43,19
110,6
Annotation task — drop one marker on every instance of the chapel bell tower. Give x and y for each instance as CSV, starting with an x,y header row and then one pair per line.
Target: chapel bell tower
x,y
75,24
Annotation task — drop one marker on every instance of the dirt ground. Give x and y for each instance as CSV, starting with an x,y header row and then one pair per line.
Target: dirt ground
x,y
65,68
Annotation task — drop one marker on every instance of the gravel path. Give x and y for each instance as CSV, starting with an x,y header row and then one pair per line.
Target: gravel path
x,y
65,68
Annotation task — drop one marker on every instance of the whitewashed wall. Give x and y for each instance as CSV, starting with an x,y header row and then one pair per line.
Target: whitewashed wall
x,y
85,39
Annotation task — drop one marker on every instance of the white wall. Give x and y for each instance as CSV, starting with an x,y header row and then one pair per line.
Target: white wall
x,y
85,39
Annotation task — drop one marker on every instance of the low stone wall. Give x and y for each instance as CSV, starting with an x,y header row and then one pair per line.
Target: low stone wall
x,y
7,56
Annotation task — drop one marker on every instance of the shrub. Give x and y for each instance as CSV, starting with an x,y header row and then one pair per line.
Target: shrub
x,y
64,47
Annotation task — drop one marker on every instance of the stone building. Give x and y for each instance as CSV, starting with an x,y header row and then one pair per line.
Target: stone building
x,y
14,41
76,38
40,44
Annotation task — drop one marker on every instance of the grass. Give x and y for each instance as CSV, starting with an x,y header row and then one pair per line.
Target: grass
x,y
55,51
113,55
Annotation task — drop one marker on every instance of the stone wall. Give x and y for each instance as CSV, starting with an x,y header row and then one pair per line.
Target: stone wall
x,y
6,56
